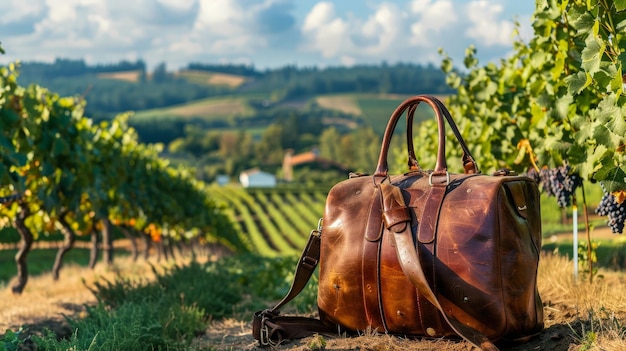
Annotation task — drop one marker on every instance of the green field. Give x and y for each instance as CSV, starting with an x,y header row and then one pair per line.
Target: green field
x,y
210,109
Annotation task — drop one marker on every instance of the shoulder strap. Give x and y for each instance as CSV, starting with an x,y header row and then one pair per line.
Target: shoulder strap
x,y
397,219
268,327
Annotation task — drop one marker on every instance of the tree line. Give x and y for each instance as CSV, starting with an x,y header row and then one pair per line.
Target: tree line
x,y
160,88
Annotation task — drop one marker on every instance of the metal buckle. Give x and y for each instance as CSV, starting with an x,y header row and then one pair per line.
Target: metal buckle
x,y
318,232
264,339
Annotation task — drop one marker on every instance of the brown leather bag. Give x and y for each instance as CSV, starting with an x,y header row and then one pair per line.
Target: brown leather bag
x,y
429,254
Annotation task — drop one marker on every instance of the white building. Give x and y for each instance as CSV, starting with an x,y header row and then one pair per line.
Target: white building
x,y
257,178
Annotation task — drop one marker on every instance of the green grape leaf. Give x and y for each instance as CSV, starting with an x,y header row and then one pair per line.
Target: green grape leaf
x,y
559,65
603,136
613,178
592,54
582,21
563,104
446,64
617,83
620,5
60,147
487,91
539,58
577,82
593,163
586,133
610,115
577,154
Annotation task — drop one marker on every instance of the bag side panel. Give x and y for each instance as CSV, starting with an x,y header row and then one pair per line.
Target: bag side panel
x,y
467,256
340,293
520,242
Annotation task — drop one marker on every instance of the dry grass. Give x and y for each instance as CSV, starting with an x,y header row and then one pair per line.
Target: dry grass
x,y
128,76
44,301
211,78
578,315
343,103
595,313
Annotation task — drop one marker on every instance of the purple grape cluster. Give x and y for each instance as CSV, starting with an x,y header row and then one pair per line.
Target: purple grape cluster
x,y
534,175
616,212
558,182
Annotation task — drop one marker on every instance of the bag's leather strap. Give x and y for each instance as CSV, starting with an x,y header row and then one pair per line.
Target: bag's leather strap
x,y
398,219
268,327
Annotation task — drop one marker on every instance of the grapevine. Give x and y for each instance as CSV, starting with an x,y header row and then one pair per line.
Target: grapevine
x,y
60,171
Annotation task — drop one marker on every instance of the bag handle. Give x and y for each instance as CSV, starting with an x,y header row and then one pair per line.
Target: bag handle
x,y
441,112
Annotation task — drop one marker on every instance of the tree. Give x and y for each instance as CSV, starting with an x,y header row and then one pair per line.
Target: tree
x,y
159,75
329,143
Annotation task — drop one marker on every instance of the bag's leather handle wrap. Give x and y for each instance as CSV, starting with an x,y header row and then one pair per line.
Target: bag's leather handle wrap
x,y
441,112
410,263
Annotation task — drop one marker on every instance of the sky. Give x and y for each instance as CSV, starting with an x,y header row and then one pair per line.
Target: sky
x,y
264,33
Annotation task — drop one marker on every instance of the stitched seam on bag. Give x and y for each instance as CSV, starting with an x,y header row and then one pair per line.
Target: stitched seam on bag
x,y
498,247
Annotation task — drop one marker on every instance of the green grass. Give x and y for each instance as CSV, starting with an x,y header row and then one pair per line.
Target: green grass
x,y
378,108
610,253
552,216
375,108
209,109
167,313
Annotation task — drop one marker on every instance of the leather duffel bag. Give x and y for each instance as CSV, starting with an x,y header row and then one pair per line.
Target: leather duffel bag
x,y
425,253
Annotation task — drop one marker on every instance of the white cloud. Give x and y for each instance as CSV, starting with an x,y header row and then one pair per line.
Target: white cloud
x,y
323,31
220,18
485,27
321,14
391,33
349,36
431,19
267,33
18,10
384,27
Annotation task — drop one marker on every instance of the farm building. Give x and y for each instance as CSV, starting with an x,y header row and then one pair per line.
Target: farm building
x,y
311,158
257,178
